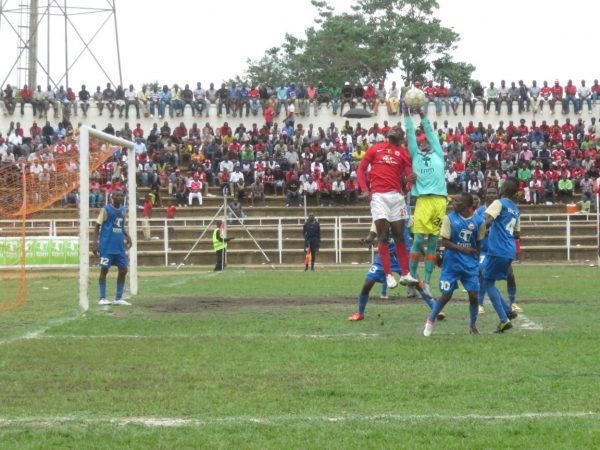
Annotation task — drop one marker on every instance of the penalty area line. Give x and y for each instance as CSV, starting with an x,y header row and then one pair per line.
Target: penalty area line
x,y
51,422
39,335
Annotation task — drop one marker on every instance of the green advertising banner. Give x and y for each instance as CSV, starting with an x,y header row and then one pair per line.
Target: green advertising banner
x,y
40,251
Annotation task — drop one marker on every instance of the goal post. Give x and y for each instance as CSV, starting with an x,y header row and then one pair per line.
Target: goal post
x,y
85,133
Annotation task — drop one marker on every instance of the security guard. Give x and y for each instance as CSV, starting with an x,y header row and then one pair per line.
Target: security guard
x,y
312,240
220,245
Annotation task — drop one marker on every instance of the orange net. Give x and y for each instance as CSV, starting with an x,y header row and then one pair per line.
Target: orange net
x,y
32,184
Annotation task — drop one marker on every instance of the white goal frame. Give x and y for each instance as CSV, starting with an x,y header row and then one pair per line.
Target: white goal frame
x,y
85,133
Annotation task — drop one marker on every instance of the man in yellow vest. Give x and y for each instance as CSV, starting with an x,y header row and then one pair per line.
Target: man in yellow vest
x,y
220,245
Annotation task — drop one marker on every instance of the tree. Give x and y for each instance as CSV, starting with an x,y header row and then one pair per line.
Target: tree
x,y
376,38
455,72
270,68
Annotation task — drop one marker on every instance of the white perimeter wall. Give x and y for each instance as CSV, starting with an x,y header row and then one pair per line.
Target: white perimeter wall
x,y
323,119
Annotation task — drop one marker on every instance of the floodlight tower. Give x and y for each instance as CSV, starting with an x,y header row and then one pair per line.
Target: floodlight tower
x,y
67,31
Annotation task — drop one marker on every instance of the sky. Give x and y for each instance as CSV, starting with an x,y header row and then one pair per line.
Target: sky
x,y
181,41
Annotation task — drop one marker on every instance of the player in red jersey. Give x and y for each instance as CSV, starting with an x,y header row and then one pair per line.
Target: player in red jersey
x,y
389,161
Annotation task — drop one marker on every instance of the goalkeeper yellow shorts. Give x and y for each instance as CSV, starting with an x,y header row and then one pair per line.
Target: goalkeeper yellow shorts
x,y
430,211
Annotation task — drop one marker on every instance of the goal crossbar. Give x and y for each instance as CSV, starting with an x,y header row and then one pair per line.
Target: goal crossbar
x,y
85,133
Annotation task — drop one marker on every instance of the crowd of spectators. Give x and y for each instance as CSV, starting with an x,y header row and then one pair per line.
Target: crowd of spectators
x,y
552,159
243,99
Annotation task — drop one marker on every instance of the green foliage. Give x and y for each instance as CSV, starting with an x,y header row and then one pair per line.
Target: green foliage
x,y
367,44
455,72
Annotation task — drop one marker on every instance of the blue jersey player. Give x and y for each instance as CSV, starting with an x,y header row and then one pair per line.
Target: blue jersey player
x,y
376,274
502,219
511,282
110,243
461,233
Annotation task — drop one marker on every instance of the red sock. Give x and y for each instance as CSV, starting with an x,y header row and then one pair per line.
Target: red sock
x,y
402,257
384,256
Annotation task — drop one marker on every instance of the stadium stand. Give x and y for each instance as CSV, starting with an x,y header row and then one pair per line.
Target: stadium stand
x,y
248,140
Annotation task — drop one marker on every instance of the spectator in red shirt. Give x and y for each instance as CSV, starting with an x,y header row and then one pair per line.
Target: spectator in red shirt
x,y
195,190
570,96
370,96
546,96
27,97
146,215
557,94
441,98
269,113
431,94
595,90
35,130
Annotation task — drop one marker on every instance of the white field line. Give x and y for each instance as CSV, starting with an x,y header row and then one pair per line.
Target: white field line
x,y
283,419
41,335
37,334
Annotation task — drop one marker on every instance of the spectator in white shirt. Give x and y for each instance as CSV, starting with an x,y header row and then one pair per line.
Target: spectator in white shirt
x,y
452,180
36,168
317,165
585,95
338,189
344,168
226,164
310,188
474,185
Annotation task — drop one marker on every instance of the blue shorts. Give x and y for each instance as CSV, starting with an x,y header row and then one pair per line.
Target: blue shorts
x,y
120,260
496,267
376,272
482,257
449,280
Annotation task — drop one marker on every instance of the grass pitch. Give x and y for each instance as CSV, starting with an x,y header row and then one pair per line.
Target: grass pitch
x,y
266,359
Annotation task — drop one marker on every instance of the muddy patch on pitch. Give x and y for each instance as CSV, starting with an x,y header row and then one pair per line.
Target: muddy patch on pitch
x,y
191,305
194,305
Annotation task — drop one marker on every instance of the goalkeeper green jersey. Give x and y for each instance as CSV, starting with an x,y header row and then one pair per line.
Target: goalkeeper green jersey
x,y
428,166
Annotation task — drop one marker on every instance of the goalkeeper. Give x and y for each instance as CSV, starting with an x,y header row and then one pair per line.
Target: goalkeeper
x,y
429,187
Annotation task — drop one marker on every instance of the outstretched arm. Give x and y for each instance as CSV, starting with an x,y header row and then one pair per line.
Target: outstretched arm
x,y
411,136
431,136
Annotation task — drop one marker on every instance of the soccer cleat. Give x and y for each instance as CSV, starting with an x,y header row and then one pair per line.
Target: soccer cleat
x,y
481,311
384,296
428,328
502,327
121,303
104,301
411,292
391,281
473,331
356,316
516,308
441,316
426,288
512,315
407,279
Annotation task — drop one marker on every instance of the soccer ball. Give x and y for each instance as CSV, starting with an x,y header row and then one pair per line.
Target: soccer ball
x,y
414,98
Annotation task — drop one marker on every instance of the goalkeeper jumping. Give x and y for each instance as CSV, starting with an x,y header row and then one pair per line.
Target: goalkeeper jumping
x,y
429,187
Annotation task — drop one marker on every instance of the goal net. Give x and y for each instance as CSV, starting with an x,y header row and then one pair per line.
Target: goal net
x,y
36,192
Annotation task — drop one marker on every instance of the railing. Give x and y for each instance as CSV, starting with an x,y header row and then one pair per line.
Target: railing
x,y
280,226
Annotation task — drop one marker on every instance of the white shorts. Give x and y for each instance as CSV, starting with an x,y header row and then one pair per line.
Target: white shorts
x,y
389,205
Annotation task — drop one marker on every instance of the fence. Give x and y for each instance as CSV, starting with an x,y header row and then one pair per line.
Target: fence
x,y
341,231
